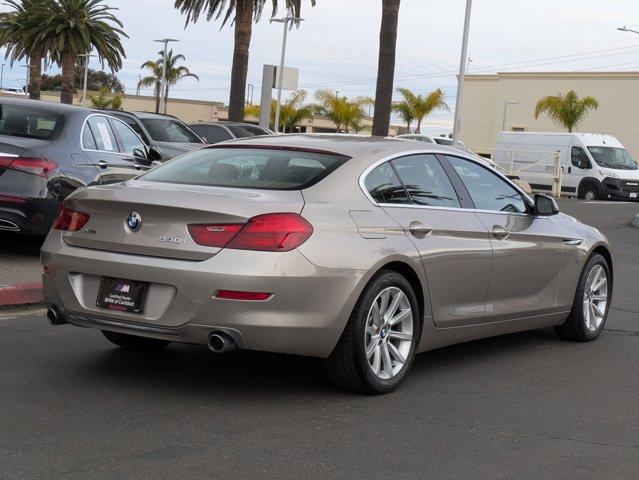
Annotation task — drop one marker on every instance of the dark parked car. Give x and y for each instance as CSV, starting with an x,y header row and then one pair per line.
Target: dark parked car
x,y
166,132
48,150
216,132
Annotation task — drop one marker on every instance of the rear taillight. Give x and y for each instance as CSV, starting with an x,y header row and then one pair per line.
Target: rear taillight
x,y
35,166
272,232
70,220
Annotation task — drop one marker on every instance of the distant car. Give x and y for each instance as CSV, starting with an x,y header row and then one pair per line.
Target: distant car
x,y
168,133
13,91
438,140
48,150
216,132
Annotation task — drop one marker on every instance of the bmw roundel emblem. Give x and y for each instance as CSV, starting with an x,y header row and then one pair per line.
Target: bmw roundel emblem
x,y
134,221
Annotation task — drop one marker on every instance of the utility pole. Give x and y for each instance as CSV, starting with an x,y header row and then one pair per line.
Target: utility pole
x,y
137,90
280,69
86,56
165,41
1,76
26,88
462,72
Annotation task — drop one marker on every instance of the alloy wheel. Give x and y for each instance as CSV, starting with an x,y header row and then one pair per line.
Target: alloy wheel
x,y
595,298
388,335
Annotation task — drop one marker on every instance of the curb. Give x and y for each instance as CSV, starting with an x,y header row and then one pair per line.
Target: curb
x,y
21,294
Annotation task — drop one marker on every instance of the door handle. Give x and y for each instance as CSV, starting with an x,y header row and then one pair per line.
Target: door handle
x,y
500,232
419,230
103,164
572,241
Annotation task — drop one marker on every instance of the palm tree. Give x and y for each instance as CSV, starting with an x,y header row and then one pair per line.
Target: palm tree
x,y
421,106
242,13
292,111
566,111
174,74
106,99
75,27
15,27
404,110
386,67
344,113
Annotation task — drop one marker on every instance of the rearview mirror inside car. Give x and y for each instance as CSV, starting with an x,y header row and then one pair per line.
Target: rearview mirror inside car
x,y
545,205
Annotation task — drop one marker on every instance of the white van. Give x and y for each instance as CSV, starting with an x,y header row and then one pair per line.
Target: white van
x,y
594,166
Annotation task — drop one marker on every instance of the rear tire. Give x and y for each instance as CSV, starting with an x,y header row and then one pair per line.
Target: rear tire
x,y
133,342
384,329
585,322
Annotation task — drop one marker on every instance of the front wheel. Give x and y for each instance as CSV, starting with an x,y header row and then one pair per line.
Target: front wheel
x,y
133,342
378,345
591,304
589,193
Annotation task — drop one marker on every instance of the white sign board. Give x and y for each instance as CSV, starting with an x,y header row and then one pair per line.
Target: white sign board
x,y
290,78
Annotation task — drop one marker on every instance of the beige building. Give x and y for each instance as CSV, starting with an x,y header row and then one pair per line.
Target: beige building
x,y
486,95
190,111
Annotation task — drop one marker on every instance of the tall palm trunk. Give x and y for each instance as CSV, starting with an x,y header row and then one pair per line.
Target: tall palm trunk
x,y
68,77
385,67
243,27
157,97
35,77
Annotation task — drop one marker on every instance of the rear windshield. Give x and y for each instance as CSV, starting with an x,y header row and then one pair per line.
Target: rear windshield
x,y
29,122
260,168
170,130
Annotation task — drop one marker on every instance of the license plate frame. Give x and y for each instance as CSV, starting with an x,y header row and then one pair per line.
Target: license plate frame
x,y
121,295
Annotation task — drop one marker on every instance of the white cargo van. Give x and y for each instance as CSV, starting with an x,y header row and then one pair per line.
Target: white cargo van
x,y
594,166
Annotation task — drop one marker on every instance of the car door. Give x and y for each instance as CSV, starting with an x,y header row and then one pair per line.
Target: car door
x,y
527,249
101,146
453,244
578,168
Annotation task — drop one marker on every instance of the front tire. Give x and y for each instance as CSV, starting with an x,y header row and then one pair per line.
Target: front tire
x,y
378,345
133,342
589,193
591,304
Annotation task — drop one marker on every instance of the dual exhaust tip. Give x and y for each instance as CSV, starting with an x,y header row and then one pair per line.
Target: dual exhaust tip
x,y
218,342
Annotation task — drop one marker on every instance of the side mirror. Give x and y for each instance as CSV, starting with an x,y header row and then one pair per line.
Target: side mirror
x,y
545,205
155,153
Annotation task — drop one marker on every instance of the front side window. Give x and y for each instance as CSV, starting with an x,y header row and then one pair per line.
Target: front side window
x,y
129,141
102,134
426,181
259,168
487,190
217,134
578,158
29,122
135,126
169,130
613,157
384,186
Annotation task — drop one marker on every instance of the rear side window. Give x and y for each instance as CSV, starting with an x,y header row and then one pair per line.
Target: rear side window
x,y
216,134
102,134
259,168
384,186
29,122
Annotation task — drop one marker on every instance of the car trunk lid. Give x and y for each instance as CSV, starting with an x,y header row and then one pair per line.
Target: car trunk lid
x,y
165,210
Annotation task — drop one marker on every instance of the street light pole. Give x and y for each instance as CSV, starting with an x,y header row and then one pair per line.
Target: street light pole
x,y
1,76
503,119
280,69
462,72
86,56
165,41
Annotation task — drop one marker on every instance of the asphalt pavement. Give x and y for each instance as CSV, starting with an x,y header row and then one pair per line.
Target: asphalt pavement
x,y
525,406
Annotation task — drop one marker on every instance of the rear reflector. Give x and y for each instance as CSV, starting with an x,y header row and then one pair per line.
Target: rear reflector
x,y
246,296
214,235
34,166
70,220
272,232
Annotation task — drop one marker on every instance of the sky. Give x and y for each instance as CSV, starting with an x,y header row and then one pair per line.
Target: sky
x,y
336,46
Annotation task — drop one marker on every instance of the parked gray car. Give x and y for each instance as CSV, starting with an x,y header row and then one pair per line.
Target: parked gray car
x,y
360,250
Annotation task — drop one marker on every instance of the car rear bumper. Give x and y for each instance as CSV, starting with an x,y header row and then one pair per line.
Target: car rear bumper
x,y
306,314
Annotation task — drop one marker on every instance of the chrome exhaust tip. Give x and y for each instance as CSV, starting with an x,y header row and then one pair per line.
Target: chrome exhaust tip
x,y
55,317
220,342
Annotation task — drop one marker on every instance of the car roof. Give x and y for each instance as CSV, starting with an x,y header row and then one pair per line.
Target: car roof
x,y
226,123
342,144
60,108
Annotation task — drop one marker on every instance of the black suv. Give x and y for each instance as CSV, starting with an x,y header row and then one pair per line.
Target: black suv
x,y
48,150
166,132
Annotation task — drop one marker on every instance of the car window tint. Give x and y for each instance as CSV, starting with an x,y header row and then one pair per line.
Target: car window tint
x,y
88,142
242,131
262,168
169,130
384,186
129,141
426,181
487,190
216,134
29,122
134,125
102,133
199,129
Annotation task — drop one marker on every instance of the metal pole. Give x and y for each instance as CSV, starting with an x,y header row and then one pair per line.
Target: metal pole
x,y
137,90
2,76
462,72
26,88
165,41
86,75
280,77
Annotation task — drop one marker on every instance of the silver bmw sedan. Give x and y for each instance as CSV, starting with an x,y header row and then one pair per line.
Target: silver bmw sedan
x,y
363,251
